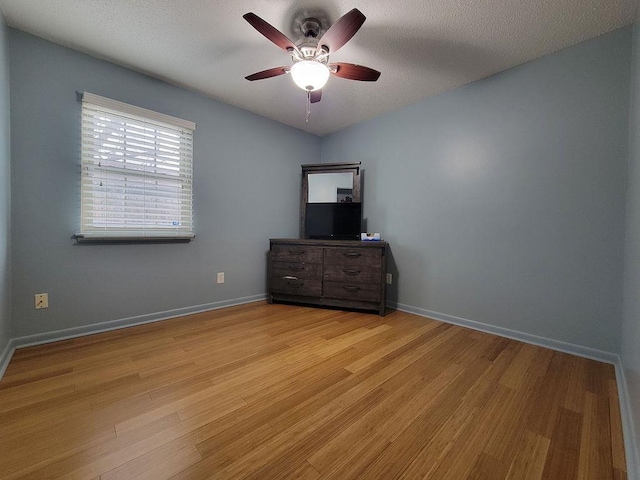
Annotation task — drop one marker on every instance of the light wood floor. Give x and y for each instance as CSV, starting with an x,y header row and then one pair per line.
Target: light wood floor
x,y
275,391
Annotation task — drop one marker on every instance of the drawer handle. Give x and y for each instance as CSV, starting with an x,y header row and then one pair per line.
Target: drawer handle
x,y
294,268
351,288
289,277
297,252
352,271
352,254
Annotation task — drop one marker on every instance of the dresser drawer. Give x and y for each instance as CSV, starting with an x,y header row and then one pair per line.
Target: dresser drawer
x,y
352,291
296,253
300,270
296,287
352,256
352,274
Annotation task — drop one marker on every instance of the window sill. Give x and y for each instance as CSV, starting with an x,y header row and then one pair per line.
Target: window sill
x,y
110,240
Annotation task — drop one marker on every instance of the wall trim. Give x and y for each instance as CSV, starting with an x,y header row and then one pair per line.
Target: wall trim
x,y
67,333
628,429
558,345
5,358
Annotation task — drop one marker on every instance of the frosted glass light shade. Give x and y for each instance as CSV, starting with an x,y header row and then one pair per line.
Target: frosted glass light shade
x,y
310,75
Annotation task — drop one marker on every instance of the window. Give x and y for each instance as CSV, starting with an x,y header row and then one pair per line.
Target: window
x,y
137,173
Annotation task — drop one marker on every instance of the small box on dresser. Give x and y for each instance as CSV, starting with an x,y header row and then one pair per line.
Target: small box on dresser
x,y
347,274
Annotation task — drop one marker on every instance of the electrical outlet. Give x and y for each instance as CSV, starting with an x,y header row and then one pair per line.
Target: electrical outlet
x,y
220,277
389,278
42,300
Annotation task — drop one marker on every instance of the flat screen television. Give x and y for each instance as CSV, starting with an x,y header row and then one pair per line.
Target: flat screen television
x,y
333,221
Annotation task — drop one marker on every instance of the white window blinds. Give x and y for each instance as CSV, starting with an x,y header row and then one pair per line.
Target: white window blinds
x,y
137,172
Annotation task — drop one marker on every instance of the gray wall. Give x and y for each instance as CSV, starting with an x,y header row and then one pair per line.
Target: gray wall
x,y
5,192
247,181
504,200
631,313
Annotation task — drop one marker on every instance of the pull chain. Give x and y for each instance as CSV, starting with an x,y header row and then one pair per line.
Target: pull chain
x,y
308,107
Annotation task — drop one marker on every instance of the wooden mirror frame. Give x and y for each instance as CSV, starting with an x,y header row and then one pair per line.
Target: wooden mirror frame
x,y
354,168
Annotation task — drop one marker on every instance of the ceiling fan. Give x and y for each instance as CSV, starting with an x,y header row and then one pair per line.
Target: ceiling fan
x,y
311,68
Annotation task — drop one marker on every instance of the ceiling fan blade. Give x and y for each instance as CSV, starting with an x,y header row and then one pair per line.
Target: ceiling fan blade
x,y
341,32
272,72
316,96
355,72
269,31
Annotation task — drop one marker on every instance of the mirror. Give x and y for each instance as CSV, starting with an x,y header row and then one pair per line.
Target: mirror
x,y
330,187
328,183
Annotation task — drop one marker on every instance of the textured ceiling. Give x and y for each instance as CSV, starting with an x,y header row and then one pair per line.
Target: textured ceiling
x,y
422,47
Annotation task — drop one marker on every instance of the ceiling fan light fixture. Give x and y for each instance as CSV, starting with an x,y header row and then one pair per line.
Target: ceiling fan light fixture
x,y
310,75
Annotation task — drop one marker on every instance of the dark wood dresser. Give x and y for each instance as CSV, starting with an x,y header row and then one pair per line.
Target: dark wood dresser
x,y
334,273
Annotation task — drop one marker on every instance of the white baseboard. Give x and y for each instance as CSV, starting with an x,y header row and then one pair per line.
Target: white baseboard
x,y
628,430
6,355
558,345
67,333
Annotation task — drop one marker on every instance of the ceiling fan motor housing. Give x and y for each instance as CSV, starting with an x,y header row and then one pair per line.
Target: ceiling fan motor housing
x,y
307,46
310,27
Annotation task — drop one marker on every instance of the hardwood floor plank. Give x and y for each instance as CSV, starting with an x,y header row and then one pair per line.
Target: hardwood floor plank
x,y
79,463
27,399
347,340
16,394
305,472
231,427
48,414
310,436
515,374
563,457
577,387
588,460
510,426
439,423
529,460
468,444
159,463
34,376
396,362
551,395
488,468
46,445
364,428
479,396
352,462
409,407
389,347
213,438
229,446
